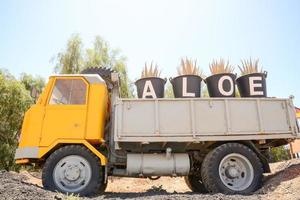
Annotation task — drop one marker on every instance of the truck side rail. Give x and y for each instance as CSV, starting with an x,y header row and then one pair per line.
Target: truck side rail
x,y
204,119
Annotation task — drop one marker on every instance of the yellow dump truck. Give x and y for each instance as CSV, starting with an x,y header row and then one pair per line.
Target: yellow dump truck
x,y
81,132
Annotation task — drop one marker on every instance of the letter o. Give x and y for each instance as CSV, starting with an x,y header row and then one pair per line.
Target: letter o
x,y
220,86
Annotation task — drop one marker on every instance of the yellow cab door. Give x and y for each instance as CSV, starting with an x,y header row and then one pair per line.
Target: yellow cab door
x,y
65,110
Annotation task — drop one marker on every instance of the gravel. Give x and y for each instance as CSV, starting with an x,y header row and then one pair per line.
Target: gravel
x,y
14,186
283,183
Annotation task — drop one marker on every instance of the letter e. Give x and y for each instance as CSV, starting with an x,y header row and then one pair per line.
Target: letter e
x,y
253,85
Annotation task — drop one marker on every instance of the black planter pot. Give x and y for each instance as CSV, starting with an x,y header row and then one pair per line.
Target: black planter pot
x,y
252,85
186,86
151,87
221,85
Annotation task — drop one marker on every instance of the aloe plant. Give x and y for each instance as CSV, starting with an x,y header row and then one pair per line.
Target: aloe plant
x,y
249,67
150,71
220,66
189,67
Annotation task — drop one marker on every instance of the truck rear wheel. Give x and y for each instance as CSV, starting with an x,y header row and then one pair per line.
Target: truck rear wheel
x,y
232,168
195,183
73,169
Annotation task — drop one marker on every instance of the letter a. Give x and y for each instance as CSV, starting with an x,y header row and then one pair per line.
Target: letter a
x,y
149,90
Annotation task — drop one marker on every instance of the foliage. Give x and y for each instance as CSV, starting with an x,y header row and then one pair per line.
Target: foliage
x,y
150,71
102,55
169,91
155,188
14,101
276,154
219,66
70,60
71,197
205,92
237,93
33,84
249,66
74,59
188,67
126,84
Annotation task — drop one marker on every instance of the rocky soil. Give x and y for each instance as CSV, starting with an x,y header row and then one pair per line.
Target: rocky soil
x,y
282,183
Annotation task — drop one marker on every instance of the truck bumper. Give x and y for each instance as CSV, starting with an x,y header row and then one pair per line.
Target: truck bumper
x,y
22,161
27,152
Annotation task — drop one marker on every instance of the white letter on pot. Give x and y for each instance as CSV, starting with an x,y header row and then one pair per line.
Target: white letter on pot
x,y
184,89
253,85
221,84
148,90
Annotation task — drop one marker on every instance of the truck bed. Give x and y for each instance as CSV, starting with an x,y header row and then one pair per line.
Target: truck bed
x,y
204,119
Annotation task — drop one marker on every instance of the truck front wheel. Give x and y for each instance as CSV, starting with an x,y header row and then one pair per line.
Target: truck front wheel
x,y
232,168
73,169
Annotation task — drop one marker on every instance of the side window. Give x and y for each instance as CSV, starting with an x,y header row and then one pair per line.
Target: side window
x,y
68,92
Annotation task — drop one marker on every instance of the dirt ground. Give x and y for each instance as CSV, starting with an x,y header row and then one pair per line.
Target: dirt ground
x,y
282,183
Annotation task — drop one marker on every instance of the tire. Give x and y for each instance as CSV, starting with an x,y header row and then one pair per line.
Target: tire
x,y
103,188
195,184
104,185
232,168
73,169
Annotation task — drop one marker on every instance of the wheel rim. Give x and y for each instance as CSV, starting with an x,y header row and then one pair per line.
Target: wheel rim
x,y
236,172
72,173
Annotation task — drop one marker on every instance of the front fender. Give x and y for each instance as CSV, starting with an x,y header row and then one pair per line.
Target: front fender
x,y
27,153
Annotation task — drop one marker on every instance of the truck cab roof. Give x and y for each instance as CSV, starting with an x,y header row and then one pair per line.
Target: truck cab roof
x,y
91,78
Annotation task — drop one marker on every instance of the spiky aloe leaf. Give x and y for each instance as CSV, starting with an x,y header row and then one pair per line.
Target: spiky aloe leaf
x,y
220,66
150,71
188,67
248,66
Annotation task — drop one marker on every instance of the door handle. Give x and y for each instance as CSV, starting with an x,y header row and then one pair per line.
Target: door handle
x,y
76,125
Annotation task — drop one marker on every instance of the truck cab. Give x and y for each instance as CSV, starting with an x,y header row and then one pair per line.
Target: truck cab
x,y
71,109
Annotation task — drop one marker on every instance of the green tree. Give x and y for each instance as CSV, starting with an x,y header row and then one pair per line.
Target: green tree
x,y
276,154
74,59
102,55
169,91
14,101
33,84
204,91
70,60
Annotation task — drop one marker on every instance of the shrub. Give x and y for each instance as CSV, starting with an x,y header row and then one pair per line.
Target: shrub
x,y
14,101
276,154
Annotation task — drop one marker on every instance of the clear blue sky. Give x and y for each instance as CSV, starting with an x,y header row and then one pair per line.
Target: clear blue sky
x,y
32,32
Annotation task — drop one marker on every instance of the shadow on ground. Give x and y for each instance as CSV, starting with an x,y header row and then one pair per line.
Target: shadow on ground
x,y
129,195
